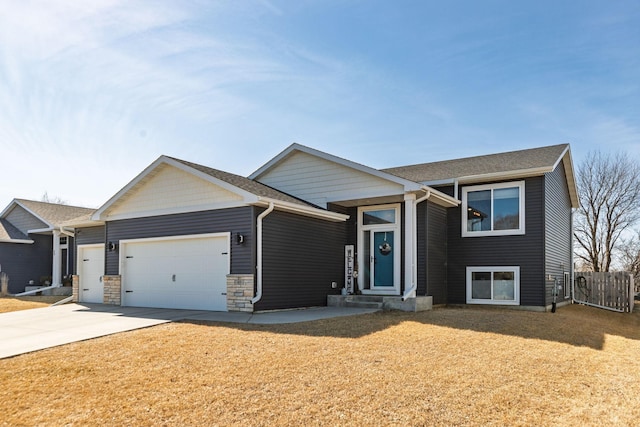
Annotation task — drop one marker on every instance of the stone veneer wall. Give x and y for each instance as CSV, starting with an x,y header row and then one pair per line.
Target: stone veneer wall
x,y
112,290
75,287
240,292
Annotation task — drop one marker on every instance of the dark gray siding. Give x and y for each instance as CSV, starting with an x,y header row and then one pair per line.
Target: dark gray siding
x,y
352,222
557,228
24,221
432,251
68,261
525,251
90,235
301,257
235,220
25,262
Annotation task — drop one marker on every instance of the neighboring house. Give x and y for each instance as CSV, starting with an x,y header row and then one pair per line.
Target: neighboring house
x,y
484,230
35,247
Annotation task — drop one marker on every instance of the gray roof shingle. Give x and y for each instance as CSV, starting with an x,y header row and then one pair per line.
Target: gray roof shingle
x,y
535,158
53,213
245,184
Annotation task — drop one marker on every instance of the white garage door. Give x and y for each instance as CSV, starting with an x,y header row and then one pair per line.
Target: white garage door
x,y
90,271
187,272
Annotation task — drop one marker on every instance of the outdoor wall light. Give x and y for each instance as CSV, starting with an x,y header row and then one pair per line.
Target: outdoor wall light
x,y
239,238
111,246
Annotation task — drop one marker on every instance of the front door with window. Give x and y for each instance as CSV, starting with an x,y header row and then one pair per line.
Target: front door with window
x,y
382,267
380,250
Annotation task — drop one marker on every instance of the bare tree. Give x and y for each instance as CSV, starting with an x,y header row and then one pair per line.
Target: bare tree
x,y
609,191
630,256
57,200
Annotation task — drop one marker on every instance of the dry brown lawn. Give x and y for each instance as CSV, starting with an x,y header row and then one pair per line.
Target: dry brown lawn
x,y
26,303
579,366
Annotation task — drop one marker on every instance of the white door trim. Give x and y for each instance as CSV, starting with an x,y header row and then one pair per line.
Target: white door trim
x,y
397,254
80,268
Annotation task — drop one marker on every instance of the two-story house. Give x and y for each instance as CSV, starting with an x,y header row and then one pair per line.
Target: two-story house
x,y
309,225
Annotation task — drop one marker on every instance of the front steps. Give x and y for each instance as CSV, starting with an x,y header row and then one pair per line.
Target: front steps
x,y
381,302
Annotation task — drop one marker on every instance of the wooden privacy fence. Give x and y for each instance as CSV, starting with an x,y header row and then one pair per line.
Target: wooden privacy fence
x,y
612,291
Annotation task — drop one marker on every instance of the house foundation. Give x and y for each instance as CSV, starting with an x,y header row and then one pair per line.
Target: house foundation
x,y
240,292
423,303
112,290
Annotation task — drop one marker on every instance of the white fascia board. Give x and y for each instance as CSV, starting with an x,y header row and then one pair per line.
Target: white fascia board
x,y
77,224
438,182
498,176
569,171
304,210
408,185
99,213
15,203
8,209
444,199
176,210
40,230
21,241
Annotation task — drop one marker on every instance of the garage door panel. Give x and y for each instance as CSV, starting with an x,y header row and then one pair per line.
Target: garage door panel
x,y
181,273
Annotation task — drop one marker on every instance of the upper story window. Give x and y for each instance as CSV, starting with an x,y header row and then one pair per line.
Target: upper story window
x,y
493,209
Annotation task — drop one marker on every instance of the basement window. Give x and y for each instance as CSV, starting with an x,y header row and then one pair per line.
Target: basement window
x,y
493,285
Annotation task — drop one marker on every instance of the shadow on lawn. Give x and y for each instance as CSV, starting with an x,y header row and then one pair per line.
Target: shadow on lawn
x,y
575,325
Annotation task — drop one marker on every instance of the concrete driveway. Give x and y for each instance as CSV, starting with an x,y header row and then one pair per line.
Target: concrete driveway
x,y
40,328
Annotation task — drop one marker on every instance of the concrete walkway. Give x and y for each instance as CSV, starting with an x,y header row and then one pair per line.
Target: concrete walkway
x,y
40,328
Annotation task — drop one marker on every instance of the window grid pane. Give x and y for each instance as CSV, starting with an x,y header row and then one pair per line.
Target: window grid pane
x,y
479,210
494,209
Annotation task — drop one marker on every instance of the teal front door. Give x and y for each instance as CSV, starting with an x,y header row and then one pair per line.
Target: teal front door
x,y
382,259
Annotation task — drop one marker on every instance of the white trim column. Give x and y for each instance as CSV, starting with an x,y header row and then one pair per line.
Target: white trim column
x,y
410,246
56,268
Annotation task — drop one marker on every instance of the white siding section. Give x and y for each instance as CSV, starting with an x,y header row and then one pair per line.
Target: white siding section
x,y
23,220
320,181
169,190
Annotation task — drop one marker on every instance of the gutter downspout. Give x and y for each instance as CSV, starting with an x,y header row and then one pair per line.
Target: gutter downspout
x,y
66,232
258,296
414,250
35,291
573,269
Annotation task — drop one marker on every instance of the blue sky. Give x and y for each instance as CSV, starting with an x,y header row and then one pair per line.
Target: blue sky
x,y
93,92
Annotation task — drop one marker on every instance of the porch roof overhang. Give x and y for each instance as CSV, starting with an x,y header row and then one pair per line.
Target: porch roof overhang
x,y
302,210
20,241
435,196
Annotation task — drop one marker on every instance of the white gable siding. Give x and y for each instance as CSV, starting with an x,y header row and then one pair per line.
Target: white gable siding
x,y
24,221
171,190
320,181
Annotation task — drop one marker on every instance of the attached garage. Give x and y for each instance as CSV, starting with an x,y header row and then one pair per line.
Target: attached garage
x,y
90,272
184,272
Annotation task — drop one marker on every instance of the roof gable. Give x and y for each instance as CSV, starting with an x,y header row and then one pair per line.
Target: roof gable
x,y
171,185
28,215
9,233
294,148
321,178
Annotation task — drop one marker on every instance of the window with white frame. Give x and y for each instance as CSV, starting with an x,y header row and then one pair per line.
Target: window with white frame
x,y
493,209
493,285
